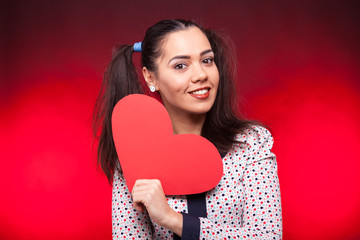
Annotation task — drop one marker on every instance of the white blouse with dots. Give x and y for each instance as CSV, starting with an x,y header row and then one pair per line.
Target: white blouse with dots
x,y
245,204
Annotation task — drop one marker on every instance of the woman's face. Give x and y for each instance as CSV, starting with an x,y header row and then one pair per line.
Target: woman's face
x,y
187,77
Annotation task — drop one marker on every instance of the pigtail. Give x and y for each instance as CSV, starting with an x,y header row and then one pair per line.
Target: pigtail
x,y
120,79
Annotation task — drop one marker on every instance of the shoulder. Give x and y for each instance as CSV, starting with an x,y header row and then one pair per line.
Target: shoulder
x,y
255,135
255,144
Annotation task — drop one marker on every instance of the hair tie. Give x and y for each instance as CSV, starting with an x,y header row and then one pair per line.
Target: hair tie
x,y
137,47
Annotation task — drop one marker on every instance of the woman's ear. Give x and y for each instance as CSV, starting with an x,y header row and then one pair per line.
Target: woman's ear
x,y
149,78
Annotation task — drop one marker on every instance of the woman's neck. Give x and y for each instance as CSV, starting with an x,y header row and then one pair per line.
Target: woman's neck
x,y
187,123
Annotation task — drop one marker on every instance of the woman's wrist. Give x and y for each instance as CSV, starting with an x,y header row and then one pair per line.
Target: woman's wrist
x,y
174,222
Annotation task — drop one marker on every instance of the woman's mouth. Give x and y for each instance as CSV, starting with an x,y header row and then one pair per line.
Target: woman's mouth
x,y
201,93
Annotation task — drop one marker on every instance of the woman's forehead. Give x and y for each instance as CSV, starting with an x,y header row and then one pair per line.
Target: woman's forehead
x,y
190,41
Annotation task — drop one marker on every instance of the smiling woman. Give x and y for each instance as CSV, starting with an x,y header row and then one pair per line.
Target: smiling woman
x,y
187,78
191,68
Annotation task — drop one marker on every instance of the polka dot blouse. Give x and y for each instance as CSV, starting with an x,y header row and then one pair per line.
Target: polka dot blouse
x,y
245,204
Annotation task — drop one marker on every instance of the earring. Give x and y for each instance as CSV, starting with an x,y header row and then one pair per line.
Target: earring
x,y
152,88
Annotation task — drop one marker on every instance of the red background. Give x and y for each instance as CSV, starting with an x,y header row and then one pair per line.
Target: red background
x,y
298,73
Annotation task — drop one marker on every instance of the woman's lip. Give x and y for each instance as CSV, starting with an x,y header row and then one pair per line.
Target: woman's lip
x,y
200,89
201,96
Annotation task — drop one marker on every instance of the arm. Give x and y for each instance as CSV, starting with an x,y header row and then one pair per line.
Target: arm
x,y
126,221
261,210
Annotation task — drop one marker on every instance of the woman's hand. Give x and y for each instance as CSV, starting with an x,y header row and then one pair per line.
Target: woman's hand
x,y
149,194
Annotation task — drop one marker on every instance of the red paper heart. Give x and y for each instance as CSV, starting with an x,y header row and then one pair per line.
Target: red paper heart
x,y
147,149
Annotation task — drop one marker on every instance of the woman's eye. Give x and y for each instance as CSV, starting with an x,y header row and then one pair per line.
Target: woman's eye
x,y
180,66
208,60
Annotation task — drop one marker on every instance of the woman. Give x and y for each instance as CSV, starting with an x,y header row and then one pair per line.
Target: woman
x,y
192,70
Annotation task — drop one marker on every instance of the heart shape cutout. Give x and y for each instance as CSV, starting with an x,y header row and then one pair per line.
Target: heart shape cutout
x,y
148,149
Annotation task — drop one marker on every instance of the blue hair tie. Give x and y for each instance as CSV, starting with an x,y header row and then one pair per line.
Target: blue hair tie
x,y
137,47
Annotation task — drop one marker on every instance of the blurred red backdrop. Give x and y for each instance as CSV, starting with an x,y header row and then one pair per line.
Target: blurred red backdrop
x,y
298,73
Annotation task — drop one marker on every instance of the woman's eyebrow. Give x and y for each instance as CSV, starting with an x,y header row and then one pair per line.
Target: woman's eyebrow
x,y
188,57
205,52
179,57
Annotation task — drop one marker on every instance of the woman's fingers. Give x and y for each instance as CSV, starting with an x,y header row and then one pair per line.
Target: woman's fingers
x,y
139,206
145,190
146,194
147,182
149,189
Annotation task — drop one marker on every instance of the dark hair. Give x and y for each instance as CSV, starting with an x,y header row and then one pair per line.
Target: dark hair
x,y
222,122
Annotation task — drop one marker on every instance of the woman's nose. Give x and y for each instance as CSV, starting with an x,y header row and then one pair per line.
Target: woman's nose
x,y
199,74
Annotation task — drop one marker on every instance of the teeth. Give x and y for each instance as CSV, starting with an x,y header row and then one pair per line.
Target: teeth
x,y
200,92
